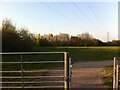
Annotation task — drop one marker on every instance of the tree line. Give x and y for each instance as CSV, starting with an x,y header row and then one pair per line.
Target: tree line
x,y
20,39
63,39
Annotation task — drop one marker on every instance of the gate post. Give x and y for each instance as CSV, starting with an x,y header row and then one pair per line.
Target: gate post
x,y
117,80
66,71
70,73
114,74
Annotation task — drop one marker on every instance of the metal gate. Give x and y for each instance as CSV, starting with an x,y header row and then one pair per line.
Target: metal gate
x,y
20,70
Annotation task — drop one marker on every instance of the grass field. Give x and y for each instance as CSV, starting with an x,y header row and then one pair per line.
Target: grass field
x,y
85,53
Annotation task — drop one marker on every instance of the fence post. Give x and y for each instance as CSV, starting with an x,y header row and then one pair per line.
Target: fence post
x,y
114,69
66,71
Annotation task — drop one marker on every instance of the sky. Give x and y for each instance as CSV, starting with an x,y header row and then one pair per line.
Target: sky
x,y
97,18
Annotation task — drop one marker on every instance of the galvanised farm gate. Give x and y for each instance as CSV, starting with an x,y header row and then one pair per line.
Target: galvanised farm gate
x,y
36,70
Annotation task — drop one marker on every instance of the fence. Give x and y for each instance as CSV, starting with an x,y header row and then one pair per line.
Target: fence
x,y
116,73
45,77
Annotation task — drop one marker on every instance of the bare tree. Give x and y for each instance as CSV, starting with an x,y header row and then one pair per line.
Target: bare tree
x,y
85,36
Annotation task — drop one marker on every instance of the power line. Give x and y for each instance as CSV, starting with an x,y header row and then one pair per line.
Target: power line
x,y
84,14
95,16
61,3
72,21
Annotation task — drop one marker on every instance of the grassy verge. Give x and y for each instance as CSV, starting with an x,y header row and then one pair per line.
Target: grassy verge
x,y
107,79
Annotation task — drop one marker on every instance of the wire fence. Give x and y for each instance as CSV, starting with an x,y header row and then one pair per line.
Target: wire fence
x,y
36,70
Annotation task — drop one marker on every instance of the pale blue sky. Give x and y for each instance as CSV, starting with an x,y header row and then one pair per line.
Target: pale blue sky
x,y
97,18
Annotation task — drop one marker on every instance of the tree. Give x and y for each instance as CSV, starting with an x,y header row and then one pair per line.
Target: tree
x,y
61,39
26,39
10,38
75,41
38,40
86,39
115,42
85,36
49,37
14,40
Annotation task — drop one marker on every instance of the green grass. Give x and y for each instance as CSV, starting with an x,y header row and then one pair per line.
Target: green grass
x,y
85,53
109,77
